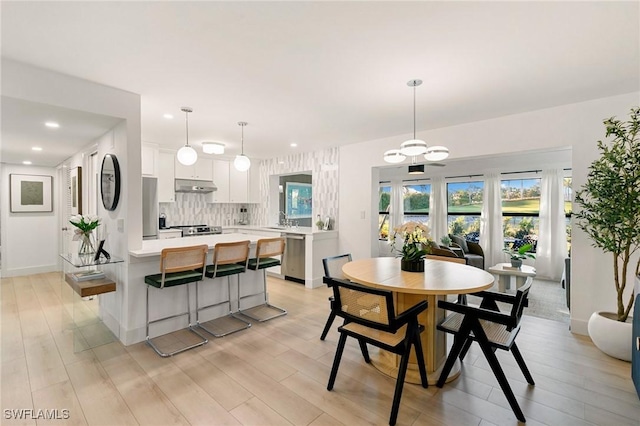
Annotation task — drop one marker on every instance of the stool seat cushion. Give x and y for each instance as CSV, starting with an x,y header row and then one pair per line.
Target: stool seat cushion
x,y
265,262
173,279
224,270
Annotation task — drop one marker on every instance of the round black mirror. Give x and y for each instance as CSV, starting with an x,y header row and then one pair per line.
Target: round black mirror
x,y
110,182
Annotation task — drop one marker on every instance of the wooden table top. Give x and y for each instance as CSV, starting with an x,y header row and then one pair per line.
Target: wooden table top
x,y
439,277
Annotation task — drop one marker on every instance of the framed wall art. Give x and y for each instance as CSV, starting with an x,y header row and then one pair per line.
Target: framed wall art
x,y
75,179
30,193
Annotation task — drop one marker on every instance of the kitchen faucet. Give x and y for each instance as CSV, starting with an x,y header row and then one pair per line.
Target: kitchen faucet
x,y
285,222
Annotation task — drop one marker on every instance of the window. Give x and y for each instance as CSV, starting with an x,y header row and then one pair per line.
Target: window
x,y
464,206
384,204
568,196
415,199
521,211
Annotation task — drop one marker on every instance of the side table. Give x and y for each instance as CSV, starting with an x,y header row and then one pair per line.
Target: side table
x,y
81,303
504,272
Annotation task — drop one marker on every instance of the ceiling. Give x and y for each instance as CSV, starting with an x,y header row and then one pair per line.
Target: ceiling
x,y
324,74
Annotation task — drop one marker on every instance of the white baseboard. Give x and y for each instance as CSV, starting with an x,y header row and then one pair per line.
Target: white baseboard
x,y
579,327
18,272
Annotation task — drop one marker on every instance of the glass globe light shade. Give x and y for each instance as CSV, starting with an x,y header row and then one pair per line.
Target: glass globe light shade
x,y
436,153
242,163
187,155
394,156
413,147
212,148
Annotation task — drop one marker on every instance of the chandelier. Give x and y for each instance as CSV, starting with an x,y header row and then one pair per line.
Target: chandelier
x,y
414,147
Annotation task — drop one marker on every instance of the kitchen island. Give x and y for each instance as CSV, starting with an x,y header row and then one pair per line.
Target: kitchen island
x,y
315,245
146,261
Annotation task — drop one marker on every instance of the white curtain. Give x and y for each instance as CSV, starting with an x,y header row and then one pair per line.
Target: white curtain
x,y
552,239
396,215
491,238
438,209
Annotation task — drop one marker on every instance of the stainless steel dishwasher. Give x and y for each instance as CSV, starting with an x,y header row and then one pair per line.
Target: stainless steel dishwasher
x,y
293,258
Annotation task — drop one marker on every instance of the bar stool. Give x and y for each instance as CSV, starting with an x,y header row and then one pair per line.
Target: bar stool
x,y
178,266
266,248
228,259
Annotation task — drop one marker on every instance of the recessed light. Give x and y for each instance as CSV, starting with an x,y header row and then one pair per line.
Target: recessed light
x,y
26,162
36,148
293,145
280,162
168,116
52,124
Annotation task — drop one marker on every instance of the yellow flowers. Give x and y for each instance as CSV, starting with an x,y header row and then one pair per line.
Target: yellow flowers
x,y
417,240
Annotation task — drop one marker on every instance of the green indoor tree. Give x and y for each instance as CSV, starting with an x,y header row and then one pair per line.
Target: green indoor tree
x,y
610,201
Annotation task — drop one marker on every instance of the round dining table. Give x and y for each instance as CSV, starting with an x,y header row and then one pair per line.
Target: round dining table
x,y
439,279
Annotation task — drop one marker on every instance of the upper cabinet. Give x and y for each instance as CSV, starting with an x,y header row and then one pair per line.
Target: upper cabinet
x,y
166,177
201,170
238,186
221,180
149,160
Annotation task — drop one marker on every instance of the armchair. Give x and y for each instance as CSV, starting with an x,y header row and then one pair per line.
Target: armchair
x,y
472,251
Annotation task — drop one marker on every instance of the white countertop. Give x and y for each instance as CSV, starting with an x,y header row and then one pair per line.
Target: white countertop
x,y
290,230
154,247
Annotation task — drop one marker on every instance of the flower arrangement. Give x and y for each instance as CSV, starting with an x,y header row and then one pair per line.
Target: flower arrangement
x,y
85,225
416,241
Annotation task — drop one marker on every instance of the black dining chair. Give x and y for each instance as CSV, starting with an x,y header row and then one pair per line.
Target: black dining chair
x,y
492,330
333,269
369,317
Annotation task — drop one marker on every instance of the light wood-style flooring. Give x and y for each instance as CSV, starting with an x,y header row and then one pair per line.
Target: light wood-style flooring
x,y
275,373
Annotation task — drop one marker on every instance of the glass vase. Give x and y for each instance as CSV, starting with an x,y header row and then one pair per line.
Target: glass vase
x,y
86,246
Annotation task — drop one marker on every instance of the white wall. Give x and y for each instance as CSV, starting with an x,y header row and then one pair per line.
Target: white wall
x,y
576,125
23,81
29,240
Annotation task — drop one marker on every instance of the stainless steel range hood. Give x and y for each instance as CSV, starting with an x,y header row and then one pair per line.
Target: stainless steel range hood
x,y
197,186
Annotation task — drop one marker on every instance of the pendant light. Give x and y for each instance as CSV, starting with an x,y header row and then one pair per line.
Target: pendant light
x,y
242,162
187,155
415,147
436,153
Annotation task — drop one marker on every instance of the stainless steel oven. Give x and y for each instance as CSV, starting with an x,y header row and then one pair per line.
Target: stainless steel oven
x,y
194,230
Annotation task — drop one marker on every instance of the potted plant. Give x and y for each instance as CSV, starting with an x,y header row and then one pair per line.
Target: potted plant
x,y
416,245
609,214
518,255
446,241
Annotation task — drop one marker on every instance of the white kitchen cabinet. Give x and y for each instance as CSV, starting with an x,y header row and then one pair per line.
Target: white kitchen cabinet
x,y
238,186
149,160
166,177
221,180
201,170
254,186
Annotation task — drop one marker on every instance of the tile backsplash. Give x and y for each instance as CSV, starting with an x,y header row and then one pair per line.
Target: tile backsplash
x,y
192,209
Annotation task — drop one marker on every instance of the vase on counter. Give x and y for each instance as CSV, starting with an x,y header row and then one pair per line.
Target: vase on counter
x,y
412,265
86,246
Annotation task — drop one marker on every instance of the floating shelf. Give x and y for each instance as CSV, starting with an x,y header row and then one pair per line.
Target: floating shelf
x,y
91,287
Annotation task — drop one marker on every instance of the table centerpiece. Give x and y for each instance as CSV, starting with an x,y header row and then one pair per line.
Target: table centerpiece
x,y
416,245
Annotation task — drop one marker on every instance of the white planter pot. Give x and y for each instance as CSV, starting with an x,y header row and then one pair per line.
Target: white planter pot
x,y
612,337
